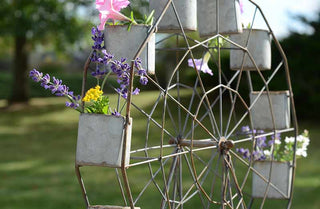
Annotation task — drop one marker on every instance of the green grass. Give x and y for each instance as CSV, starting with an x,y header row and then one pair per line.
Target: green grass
x,y
38,151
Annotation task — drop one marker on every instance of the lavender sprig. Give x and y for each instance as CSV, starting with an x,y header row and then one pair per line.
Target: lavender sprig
x,y
57,88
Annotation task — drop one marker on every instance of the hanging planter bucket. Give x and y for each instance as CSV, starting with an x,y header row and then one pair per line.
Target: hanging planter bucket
x,y
259,47
261,112
281,178
125,44
100,140
229,17
187,12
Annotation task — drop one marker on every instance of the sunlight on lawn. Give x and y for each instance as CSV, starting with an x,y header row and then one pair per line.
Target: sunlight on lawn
x,y
38,151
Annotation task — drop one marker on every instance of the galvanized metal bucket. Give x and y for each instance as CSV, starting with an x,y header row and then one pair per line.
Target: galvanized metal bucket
x,y
100,140
187,12
124,43
259,46
229,17
281,178
261,111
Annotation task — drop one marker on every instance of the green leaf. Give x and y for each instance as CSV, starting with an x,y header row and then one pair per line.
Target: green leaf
x,y
149,20
206,57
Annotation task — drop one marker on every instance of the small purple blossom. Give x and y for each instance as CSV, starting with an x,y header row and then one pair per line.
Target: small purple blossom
x,y
245,153
107,57
143,80
45,81
98,74
116,113
245,129
98,38
35,75
56,87
200,65
276,136
136,91
72,105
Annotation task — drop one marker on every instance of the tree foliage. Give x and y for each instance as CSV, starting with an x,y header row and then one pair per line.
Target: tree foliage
x,y
303,55
32,21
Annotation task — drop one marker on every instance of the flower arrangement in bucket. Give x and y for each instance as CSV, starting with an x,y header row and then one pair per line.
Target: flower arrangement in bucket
x,y
273,148
110,10
124,35
101,128
272,154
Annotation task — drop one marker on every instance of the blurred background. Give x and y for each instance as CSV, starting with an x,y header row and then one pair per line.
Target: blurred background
x,y
54,36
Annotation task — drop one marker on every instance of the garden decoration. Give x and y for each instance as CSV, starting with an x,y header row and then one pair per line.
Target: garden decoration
x,y
277,152
124,37
229,17
261,116
180,13
258,55
184,151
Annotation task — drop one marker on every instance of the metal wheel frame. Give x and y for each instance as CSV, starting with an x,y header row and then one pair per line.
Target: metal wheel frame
x,y
188,147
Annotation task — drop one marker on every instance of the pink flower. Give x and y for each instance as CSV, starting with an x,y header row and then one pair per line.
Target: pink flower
x,y
241,6
200,65
110,9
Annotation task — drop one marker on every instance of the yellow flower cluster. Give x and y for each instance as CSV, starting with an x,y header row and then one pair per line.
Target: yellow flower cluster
x,y
93,94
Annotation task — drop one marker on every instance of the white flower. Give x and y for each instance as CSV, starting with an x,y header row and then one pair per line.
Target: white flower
x,y
267,152
289,140
301,152
277,141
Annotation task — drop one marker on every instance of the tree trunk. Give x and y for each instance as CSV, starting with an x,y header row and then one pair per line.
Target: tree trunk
x,y
20,87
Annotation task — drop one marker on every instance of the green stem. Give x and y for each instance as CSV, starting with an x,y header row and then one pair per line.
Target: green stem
x,y
104,80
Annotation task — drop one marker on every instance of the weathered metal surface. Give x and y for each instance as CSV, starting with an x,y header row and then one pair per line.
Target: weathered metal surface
x,y
100,140
229,17
281,177
261,111
187,12
259,46
125,44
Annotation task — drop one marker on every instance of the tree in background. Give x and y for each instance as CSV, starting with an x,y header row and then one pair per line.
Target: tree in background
x,y
29,22
303,55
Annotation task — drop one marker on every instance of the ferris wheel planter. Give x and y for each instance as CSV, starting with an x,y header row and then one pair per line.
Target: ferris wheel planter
x,y
259,46
261,112
124,43
281,178
187,12
229,17
100,140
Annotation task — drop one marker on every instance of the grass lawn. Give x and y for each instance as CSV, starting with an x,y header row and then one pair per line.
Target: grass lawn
x,y
37,162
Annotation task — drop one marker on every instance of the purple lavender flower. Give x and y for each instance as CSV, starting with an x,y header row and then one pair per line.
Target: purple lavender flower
x,y
137,63
261,140
72,105
245,153
98,38
63,90
116,113
98,74
136,91
143,80
270,142
35,75
107,57
56,85
245,129
45,81
258,155
56,88
276,136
